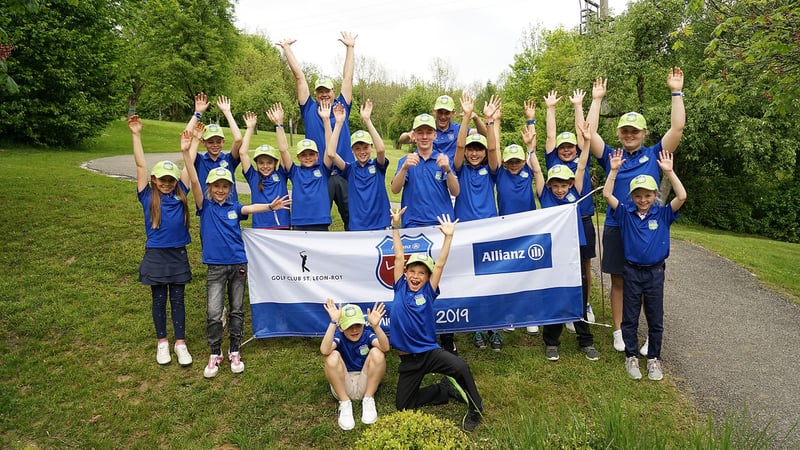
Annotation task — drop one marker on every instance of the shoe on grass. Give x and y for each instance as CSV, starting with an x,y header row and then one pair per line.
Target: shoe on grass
x,y
654,369
346,420
184,357
368,412
643,350
162,353
632,367
237,366
551,353
532,329
212,367
619,344
478,341
471,420
590,352
496,341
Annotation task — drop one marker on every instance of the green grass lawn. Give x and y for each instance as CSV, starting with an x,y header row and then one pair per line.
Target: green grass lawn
x,y
77,347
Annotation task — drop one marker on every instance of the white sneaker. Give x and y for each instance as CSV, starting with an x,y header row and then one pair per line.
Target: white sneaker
x,y
184,357
212,367
532,329
368,412
632,367
643,350
346,421
589,313
162,353
654,369
237,366
570,327
619,344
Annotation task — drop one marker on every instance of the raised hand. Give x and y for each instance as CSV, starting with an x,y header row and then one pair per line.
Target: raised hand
x,y
491,107
467,104
586,132
443,162
366,111
286,43
275,113
551,99
324,110
375,314
135,124
529,136
339,113
280,203
201,102
665,161
675,79
577,96
615,159
397,214
348,39
224,104
599,88
186,140
250,119
334,310
530,109
446,226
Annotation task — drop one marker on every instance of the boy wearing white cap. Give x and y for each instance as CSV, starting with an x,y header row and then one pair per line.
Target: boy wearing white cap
x,y
644,227
354,359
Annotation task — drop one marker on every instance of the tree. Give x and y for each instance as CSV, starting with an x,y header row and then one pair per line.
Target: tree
x,y
65,63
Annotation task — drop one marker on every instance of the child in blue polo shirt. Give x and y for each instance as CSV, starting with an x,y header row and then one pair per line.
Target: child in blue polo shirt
x,y
644,227
267,179
223,252
412,331
165,266
563,187
366,177
355,360
214,140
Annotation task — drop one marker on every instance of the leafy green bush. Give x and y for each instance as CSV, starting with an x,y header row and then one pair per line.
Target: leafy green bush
x,y
412,429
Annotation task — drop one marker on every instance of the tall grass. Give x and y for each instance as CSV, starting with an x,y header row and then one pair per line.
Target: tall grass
x,y
77,347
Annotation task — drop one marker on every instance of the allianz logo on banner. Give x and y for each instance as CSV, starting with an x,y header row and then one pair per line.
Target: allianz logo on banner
x,y
519,254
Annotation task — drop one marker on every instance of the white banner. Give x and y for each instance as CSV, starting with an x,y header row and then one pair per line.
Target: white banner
x,y
516,270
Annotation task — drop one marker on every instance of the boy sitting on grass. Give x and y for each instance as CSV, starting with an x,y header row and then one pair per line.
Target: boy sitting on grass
x,y
354,359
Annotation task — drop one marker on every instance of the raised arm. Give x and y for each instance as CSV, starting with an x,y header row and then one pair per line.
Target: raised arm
x,y
200,106
189,139
598,92
665,163
250,121
224,105
673,136
498,114
340,115
467,106
275,114
377,141
491,113
577,106
303,94
397,243
142,177
551,100
585,135
615,162
349,40
529,137
374,317
334,311
448,228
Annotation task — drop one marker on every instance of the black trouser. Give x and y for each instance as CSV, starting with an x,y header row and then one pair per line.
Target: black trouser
x,y
552,333
414,367
337,192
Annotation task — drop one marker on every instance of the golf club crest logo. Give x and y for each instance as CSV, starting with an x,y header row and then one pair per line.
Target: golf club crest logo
x,y
384,270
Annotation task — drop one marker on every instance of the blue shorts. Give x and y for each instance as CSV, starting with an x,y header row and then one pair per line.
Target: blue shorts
x,y
613,252
588,251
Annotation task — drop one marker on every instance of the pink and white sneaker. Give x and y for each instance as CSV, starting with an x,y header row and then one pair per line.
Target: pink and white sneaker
x,y
212,367
237,366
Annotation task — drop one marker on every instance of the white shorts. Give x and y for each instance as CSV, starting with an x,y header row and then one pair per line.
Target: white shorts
x,y
355,383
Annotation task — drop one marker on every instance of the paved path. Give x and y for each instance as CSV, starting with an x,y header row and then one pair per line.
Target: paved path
x,y
728,343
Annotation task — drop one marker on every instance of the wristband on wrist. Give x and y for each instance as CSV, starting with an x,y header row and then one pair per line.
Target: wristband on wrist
x,y
198,115
278,125
530,122
490,123
677,94
333,322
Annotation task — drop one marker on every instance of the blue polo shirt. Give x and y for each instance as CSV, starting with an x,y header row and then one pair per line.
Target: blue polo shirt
x,y
367,197
310,201
425,193
476,197
446,140
515,192
172,231
645,240
586,207
315,129
220,233
204,164
354,354
549,199
412,327
643,162
271,187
